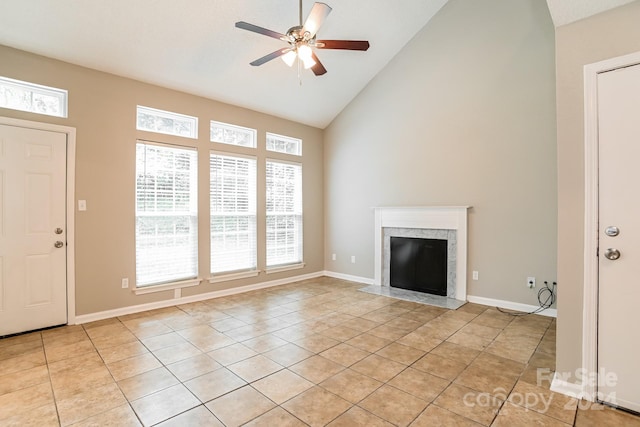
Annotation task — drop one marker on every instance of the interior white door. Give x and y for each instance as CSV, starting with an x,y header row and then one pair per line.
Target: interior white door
x,y
619,237
33,289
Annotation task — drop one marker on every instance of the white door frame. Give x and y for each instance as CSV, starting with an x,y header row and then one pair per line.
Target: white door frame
x,y
591,162
70,208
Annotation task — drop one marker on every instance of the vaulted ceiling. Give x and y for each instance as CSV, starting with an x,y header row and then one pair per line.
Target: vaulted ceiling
x,y
193,46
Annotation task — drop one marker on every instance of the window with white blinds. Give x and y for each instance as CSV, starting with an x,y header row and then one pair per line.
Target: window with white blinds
x,y
233,213
284,213
166,214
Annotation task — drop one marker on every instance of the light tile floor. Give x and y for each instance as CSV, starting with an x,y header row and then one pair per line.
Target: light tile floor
x,y
315,353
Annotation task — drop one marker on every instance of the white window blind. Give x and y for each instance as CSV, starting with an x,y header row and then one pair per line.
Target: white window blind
x,y
284,213
166,214
233,213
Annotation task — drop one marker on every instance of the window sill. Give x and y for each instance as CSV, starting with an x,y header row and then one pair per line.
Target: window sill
x,y
282,268
233,276
166,287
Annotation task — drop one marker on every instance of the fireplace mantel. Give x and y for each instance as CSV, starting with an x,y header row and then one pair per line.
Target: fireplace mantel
x,y
425,217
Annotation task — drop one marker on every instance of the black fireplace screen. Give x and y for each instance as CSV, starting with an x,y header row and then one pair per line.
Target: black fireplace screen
x,y
419,264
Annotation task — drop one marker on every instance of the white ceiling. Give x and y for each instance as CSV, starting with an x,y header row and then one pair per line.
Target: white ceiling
x,y
193,46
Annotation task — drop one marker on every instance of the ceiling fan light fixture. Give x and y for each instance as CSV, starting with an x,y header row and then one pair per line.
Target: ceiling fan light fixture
x,y
306,56
305,52
308,63
301,39
289,58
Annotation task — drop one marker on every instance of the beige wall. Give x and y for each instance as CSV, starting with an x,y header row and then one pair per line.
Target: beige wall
x,y
607,35
463,115
102,107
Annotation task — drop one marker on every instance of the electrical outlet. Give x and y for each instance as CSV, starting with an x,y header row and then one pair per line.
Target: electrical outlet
x,y
125,283
531,282
475,275
353,259
333,257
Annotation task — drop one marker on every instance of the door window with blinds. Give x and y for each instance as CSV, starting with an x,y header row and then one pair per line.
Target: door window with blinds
x,y
166,214
284,213
233,213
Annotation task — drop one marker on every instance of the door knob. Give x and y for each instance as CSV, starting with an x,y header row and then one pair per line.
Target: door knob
x,y
58,244
58,230
612,254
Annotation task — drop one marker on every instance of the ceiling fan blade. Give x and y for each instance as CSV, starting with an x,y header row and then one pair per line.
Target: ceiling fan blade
x,y
269,57
316,17
343,44
318,69
254,28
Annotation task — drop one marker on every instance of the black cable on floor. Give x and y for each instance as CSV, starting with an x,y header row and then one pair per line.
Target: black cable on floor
x,y
547,303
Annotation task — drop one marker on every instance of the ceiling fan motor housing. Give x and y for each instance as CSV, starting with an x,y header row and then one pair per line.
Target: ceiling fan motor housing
x,y
297,36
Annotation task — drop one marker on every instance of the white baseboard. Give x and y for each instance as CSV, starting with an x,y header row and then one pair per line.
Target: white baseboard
x,y
570,389
550,312
357,279
92,317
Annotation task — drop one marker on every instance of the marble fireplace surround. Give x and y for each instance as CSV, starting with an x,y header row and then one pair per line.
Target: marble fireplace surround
x,y
424,218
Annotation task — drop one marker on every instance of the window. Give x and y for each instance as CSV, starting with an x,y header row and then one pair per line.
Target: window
x,y
284,213
166,214
234,135
284,144
233,213
160,121
25,96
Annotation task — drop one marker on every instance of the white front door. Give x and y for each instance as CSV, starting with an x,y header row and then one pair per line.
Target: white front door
x,y
619,237
33,289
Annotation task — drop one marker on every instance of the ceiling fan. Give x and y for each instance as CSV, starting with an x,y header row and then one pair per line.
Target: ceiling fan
x,y
302,40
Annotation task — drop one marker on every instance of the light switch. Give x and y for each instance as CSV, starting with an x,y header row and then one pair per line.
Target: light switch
x,y
82,205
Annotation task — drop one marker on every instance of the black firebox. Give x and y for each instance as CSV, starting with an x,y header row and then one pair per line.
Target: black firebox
x,y
419,265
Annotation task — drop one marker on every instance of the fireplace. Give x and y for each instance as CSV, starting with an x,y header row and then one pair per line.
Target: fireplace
x,y
448,224
418,264
450,236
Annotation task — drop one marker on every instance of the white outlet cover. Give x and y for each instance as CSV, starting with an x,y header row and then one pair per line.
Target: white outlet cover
x,y
531,282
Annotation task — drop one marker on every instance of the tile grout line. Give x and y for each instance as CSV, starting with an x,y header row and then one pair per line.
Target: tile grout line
x,y
262,309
